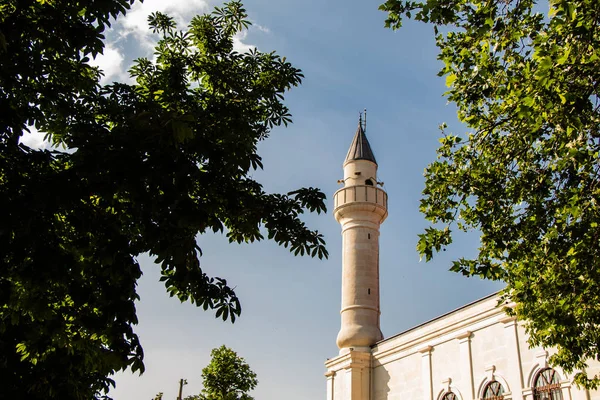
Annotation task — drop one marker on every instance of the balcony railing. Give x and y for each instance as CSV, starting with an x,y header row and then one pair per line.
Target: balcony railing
x,y
362,193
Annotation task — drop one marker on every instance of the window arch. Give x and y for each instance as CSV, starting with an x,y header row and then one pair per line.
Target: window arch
x,y
493,391
449,396
369,182
547,386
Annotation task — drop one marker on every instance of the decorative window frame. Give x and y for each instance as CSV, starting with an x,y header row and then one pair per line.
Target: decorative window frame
x,y
448,387
491,376
539,366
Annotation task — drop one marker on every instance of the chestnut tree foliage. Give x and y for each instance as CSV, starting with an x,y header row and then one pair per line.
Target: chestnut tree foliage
x,y
524,76
149,166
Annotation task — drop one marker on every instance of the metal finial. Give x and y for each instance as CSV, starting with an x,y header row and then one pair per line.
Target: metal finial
x,y
360,118
365,123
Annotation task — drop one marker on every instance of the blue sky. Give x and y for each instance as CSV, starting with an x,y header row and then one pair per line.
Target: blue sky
x,y
290,304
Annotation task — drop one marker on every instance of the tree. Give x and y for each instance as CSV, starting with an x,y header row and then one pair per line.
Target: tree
x,y
527,175
226,377
150,166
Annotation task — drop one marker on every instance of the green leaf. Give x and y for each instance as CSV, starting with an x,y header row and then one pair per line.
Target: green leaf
x,y
450,78
526,180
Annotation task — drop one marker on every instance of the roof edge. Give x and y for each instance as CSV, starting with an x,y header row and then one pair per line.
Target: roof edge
x,y
489,296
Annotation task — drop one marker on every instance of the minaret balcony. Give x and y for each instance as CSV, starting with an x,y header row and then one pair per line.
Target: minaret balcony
x,y
360,194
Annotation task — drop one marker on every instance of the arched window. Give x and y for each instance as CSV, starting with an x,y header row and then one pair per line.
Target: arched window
x,y
369,182
547,386
493,391
449,396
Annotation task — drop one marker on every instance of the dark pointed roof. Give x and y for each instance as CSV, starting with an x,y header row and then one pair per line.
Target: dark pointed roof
x,y
360,149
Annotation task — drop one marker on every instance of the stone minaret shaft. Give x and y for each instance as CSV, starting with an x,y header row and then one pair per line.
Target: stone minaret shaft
x,y
360,207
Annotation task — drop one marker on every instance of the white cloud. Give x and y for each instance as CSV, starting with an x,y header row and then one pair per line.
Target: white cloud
x,y
111,63
238,42
115,62
35,139
260,28
136,20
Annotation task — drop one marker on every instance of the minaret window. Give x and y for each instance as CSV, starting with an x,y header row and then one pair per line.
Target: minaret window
x,y
547,386
369,182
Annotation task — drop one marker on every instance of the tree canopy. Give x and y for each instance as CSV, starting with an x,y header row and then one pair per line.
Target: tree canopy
x,y
148,167
524,76
226,377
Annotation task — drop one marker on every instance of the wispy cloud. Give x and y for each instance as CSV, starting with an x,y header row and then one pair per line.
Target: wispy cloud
x,y
111,63
136,20
261,28
238,42
130,36
133,27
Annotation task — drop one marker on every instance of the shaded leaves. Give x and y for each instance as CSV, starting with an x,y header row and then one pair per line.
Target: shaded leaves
x,y
150,166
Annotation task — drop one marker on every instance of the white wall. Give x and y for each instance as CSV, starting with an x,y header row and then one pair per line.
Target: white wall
x,y
461,351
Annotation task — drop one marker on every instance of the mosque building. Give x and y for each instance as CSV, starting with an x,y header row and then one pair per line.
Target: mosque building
x,y
476,352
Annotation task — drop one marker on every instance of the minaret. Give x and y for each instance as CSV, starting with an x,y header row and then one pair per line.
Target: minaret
x,y
360,207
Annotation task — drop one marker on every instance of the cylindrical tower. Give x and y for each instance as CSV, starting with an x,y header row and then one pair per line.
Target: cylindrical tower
x,y
360,207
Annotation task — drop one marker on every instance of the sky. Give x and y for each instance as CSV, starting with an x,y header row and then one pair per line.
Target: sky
x,y
290,305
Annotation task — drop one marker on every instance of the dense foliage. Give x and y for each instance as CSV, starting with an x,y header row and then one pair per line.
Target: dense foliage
x,y
524,76
226,377
149,166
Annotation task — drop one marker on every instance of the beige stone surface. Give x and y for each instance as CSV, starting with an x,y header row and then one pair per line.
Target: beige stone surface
x,y
360,208
461,351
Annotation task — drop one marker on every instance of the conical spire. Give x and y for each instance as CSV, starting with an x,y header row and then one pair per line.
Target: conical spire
x,y
360,149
